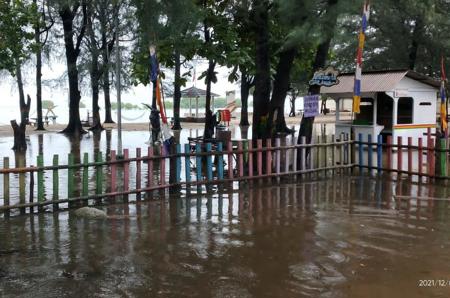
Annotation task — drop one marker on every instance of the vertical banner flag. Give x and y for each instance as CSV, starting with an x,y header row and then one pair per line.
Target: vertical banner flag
x,y
359,58
443,94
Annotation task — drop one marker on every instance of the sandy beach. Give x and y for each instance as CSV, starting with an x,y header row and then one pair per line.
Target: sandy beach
x,y
6,130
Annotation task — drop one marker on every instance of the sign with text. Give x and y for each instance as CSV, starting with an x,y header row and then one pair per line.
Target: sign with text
x,y
311,106
327,77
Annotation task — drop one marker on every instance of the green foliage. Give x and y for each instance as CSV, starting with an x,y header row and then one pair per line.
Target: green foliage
x,y
172,27
126,106
16,16
48,104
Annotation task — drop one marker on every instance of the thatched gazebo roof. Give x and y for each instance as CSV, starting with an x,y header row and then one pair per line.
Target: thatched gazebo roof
x,y
194,92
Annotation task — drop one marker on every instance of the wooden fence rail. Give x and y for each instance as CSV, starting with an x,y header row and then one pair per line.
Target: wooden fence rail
x,y
101,178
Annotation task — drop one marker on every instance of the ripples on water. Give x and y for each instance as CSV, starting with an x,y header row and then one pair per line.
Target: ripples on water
x,y
344,237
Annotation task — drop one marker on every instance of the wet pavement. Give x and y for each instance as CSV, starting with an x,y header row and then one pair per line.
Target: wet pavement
x,y
340,237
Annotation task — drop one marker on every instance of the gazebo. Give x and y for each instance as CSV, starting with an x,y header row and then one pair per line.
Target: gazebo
x,y
194,92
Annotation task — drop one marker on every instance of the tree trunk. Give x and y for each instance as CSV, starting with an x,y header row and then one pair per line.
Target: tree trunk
x,y
281,88
37,39
20,144
95,77
306,124
246,84
292,99
95,84
414,48
106,84
72,52
261,96
209,119
177,92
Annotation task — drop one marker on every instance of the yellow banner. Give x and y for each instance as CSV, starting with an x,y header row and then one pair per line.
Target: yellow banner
x,y
356,104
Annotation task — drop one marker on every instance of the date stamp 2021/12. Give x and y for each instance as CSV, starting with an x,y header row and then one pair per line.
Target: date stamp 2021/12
x,y
434,283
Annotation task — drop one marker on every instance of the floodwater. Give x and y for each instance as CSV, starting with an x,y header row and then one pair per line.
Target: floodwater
x,y
340,237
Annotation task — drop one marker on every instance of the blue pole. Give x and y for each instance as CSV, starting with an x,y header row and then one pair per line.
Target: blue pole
x,y
220,161
178,177
198,163
209,173
380,153
187,162
370,153
360,151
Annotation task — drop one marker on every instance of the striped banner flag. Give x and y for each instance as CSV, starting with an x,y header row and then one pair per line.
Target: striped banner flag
x,y
444,125
359,58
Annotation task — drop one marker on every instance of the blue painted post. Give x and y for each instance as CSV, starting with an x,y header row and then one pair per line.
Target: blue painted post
x,y
209,172
369,153
220,161
360,151
198,162
380,153
178,176
187,164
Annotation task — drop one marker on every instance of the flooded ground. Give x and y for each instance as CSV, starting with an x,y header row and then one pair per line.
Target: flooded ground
x,y
341,237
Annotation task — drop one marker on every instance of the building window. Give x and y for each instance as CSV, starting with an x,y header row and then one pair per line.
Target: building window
x,y
365,117
405,110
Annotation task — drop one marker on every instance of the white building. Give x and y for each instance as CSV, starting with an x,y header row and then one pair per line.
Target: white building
x,y
397,103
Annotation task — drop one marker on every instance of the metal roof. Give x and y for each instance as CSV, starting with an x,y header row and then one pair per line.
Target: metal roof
x,y
194,92
377,81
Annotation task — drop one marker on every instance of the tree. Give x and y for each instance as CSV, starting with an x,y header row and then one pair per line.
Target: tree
x,y
69,13
42,25
261,95
15,46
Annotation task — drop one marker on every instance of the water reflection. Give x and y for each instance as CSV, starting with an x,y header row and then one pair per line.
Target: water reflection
x,y
318,238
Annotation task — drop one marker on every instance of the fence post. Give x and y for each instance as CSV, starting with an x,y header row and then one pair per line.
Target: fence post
x,y
126,170
150,166
379,153
138,172
198,164
250,158
162,166
113,172
303,153
420,157
268,156
6,185
399,154
278,158
430,157
178,152
240,159
389,152
70,176
187,165
230,160
370,153
360,152
294,164
99,174
21,185
259,157
220,160
55,177
410,167
85,191
40,177
209,171
443,157
286,157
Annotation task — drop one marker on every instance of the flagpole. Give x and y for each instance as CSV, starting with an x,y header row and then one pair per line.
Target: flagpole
x,y
119,99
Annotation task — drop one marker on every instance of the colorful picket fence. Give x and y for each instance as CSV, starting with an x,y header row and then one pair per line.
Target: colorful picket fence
x,y
428,159
105,178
